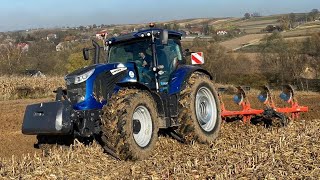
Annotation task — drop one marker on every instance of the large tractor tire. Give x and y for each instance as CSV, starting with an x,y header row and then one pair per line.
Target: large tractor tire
x,y
130,124
199,116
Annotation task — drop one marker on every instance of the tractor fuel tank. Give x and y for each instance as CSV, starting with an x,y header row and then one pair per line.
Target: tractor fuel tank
x,y
48,118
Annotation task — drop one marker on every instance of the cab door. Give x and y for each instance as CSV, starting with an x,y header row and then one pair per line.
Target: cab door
x,y
169,56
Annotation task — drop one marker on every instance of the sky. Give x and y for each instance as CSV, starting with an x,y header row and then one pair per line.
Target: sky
x,y
24,14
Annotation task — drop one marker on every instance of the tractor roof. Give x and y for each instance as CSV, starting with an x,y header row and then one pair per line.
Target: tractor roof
x,y
141,34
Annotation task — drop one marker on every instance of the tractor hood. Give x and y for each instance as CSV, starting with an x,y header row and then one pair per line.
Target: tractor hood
x,y
86,85
85,73
82,70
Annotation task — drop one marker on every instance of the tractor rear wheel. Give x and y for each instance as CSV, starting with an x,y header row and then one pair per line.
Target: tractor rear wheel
x,y
130,124
200,116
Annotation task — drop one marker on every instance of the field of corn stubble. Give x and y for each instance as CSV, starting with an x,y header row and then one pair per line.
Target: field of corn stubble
x,y
240,151
17,87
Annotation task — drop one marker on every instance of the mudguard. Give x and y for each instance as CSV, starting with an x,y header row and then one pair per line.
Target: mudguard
x,y
48,118
180,76
141,86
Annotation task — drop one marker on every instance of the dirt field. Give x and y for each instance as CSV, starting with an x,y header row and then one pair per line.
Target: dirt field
x,y
241,151
239,42
12,142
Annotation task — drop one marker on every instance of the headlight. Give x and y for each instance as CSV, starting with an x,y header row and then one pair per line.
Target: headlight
x,y
83,77
80,98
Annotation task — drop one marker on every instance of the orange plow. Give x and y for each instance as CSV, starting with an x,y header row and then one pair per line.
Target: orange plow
x,y
270,110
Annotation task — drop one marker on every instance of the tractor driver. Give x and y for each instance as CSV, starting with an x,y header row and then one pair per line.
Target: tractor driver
x,y
146,59
146,71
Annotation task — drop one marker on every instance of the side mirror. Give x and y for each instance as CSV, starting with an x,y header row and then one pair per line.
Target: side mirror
x,y
85,52
164,37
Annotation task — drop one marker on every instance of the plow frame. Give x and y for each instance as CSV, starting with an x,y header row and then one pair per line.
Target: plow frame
x,y
247,112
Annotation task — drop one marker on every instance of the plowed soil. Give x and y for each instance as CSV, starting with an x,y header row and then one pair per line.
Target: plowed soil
x,y
241,151
12,141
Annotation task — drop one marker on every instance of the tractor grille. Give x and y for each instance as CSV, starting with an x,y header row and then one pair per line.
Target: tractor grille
x,y
76,92
105,84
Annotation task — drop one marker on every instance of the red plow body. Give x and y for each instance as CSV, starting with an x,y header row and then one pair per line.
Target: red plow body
x,y
270,111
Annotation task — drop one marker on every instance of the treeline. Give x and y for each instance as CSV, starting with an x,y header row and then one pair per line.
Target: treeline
x,y
42,56
286,61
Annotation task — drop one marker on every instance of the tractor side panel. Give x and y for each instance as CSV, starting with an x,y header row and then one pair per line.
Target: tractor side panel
x,y
179,77
108,81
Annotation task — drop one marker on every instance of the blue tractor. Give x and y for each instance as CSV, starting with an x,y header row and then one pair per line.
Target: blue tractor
x,y
143,86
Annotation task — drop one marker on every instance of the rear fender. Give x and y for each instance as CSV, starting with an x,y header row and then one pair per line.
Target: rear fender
x,y
179,77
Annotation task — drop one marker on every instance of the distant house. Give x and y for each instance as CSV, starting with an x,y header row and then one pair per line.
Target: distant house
x,y
51,36
222,32
23,46
196,31
60,47
101,34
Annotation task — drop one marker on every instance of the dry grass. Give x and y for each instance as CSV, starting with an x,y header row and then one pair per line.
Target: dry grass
x,y
240,41
15,87
300,32
249,23
241,151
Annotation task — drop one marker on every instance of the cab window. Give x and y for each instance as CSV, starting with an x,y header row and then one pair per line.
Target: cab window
x,y
169,55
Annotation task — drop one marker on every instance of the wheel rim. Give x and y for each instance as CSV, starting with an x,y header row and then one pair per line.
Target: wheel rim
x,y
142,126
206,109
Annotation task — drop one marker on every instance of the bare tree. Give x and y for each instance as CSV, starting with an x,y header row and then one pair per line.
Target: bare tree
x,y
284,22
313,14
281,61
10,59
292,20
247,16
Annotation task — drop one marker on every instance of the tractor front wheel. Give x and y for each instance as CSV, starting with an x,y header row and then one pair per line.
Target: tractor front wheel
x,y
199,117
130,124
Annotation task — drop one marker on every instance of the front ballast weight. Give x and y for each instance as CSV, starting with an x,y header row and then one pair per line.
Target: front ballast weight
x,y
60,118
271,110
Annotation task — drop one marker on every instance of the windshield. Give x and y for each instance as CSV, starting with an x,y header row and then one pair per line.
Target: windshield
x,y
129,51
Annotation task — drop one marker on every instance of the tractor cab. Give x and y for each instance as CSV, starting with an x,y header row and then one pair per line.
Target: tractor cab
x,y
154,52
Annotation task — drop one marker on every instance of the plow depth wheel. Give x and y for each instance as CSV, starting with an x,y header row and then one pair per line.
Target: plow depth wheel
x,y
130,124
200,116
